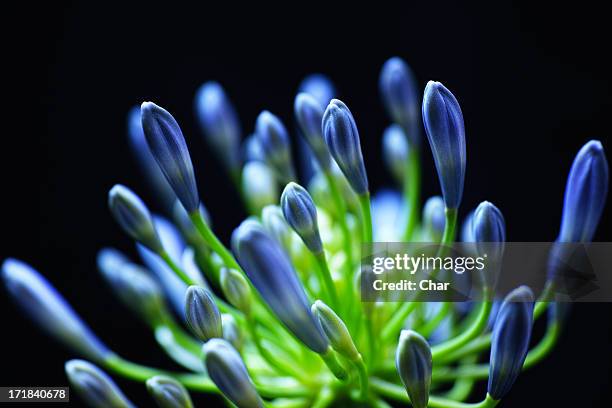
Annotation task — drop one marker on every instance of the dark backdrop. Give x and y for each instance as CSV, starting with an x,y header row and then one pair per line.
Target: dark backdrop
x,y
533,83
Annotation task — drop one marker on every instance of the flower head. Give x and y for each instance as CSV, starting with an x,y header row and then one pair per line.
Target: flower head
x,y
510,341
219,123
169,149
444,127
168,393
342,138
413,361
301,214
202,314
133,216
274,142
228,372
94,386
585,194
399,94
48,309
271,272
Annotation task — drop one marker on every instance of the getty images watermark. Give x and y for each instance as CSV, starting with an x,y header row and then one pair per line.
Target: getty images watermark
x,y
395,272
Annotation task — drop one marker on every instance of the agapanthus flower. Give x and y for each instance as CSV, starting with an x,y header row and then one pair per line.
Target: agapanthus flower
x,y
169,149
168,392
275,145
400,96
413,361
342,138
445,130
227,370
35,295
95,386
219,123
510,342
271,272
585,194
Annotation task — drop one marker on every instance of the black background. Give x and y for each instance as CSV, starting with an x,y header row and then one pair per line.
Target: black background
x,y
533,83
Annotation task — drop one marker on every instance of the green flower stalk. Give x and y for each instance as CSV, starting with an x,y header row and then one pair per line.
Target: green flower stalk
x,y
278,320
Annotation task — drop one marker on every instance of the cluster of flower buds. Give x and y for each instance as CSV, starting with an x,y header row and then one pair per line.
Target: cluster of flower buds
x,y
276,319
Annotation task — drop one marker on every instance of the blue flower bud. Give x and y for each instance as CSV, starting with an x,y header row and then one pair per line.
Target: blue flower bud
x,y
398,88
585,194
169,149
395,151
489,230
236,289
335,330
136,289
274,142
413,361
258,186
444,127
133,217
94,386
173,286
342,139
319,87
271,272
251,149
168,393
202,314
510,341
467,228
301,214
109,260
309,115
148,165
275,224
388,215
227,370
219,123
48,309
434,218
231,331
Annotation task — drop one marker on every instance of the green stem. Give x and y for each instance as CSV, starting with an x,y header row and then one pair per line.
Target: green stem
x,y
412,191
327,279
475,329
364,386
213,242
176,269
330,360
341,218
366,217
434,322
324,399
397,321
265,353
